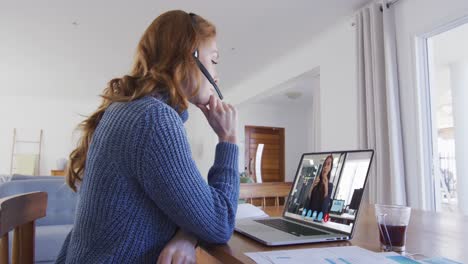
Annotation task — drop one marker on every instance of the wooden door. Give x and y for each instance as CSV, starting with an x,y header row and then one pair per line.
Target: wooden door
x,y
272,164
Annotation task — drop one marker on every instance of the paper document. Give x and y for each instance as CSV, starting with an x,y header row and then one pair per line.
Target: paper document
x,y
419,259
329,255
440,260
247,210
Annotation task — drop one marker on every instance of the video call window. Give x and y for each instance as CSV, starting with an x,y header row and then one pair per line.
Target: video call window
x,y
328,188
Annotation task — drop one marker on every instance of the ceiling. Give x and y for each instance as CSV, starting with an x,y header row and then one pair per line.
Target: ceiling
x,y
301,88
73,48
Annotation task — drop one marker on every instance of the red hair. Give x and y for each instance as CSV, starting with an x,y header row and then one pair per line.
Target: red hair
x,y
163,65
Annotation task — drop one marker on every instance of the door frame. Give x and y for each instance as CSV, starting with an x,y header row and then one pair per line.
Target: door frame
x,y
282,154
425,88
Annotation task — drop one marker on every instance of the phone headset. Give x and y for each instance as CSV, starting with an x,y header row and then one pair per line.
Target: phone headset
x,y
200,65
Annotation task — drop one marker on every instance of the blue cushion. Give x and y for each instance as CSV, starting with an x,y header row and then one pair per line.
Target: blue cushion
x,y
49,241
61,201
21,177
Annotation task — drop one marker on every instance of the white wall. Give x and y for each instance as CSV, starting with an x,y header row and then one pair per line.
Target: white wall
x,y
333,51
414,18
58,117
292,118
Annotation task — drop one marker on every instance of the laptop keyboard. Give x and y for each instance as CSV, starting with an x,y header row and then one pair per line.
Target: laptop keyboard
x,y
290,227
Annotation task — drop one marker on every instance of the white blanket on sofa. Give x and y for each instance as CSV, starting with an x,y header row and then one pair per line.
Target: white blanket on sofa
x,y
5,178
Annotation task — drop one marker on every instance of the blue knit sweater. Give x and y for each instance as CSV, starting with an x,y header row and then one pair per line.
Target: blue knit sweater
x,y
141,184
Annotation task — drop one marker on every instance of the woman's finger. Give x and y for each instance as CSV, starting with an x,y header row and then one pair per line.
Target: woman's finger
x,y
213,102
204,109
233,109
182,259
226,107
178,259
164,258
219,105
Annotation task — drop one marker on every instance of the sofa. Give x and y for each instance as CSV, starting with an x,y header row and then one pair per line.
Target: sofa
x,y
20,177
55,226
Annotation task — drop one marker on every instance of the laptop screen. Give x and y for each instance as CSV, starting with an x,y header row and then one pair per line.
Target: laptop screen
x,y
328,188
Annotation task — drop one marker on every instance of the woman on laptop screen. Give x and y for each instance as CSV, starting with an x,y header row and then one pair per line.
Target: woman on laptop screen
x,y
319,198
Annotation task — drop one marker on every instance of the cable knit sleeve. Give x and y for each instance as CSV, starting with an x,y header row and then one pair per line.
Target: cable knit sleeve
x,y
171,178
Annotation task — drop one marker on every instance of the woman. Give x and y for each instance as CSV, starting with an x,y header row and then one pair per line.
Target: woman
x,y
322,188
141,196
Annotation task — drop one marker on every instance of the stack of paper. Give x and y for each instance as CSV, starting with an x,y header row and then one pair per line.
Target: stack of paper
x,y
247,210
337,255
330,255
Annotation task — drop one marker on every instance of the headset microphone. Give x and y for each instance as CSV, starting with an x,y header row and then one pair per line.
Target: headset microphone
x,y
207,74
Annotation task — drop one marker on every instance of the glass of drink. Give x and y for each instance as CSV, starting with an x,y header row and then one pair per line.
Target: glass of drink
x,y
392,221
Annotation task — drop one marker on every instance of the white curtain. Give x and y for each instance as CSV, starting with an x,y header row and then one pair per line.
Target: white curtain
x,y
379,108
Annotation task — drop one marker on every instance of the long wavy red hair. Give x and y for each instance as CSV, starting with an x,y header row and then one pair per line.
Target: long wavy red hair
x,y
163,65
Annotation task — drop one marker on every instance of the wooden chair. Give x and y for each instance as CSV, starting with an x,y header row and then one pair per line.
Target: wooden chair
x,y
19,213
250,191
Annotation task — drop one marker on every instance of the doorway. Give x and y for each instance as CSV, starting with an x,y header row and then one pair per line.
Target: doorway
x,y
264,153
444,78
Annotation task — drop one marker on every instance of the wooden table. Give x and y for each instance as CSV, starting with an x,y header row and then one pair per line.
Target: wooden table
x,y
430,234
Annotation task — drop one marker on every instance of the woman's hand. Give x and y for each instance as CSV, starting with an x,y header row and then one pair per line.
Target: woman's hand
x,y
179,250
316,181
222,118
325,180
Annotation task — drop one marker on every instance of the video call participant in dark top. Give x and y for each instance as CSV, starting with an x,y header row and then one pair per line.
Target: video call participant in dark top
x,y
322,188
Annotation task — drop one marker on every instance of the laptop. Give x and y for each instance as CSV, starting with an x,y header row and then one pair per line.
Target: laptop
x,y
307,216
